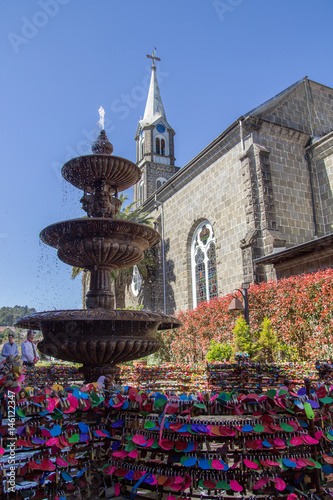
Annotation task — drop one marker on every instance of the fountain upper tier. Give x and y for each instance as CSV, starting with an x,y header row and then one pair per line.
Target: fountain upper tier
x,y
85,171
101,176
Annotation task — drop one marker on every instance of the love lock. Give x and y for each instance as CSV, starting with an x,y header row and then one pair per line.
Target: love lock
x,y
110,492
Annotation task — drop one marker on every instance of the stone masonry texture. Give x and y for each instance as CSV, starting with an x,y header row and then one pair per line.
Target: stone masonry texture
x,y
255,193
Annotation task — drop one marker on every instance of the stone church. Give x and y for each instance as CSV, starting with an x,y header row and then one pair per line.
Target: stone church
x,y
256,204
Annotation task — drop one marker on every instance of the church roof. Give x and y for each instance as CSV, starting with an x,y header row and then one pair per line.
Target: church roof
x,y
274,101
302,250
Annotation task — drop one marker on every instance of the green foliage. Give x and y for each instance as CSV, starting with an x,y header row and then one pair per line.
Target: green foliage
x,y
165,354
288,352
138,307
153,359
219,352
133,214
130,213
9,315
243,340
4,334
267,346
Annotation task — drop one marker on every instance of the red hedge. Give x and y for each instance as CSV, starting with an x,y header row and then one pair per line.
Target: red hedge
x,y
299,307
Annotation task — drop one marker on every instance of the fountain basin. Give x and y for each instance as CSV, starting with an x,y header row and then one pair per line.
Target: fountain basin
x,y
97,337
101,243
101,351
83,171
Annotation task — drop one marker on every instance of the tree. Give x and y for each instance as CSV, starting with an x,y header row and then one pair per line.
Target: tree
x,y
123,277
242,338
9,315
267,346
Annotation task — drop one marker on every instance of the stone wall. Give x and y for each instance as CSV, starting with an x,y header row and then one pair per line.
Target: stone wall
x,y
256,194
321,155
309,103
325,181
257,201
290,182
308,264
216,195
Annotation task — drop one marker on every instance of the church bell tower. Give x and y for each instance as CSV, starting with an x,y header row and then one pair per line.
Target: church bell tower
x,y
154,143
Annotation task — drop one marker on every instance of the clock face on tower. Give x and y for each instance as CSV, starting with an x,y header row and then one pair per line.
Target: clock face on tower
x,y
160,128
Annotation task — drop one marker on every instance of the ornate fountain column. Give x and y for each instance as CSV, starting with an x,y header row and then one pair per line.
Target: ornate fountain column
x,y
100,294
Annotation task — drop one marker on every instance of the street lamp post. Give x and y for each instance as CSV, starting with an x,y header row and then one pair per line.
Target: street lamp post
x,y
236,305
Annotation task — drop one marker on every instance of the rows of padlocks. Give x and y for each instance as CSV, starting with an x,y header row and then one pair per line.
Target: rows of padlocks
x,y
263,437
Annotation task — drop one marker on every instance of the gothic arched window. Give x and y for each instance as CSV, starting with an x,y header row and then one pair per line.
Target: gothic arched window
x,y
142,148
203,264
159,182
158,148
136,281
162,147
141,192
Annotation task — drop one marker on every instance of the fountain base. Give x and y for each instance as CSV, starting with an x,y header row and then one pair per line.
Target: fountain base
x,y
92,373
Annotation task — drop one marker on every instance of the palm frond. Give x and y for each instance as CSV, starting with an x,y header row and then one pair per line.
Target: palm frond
x,y
75,272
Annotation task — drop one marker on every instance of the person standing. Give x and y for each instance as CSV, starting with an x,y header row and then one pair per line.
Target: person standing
x,y
29,350
10,348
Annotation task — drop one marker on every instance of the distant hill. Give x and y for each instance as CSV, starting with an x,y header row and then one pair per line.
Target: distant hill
x,y
9,315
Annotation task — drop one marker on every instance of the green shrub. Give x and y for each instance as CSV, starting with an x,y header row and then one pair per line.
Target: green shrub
x,y
288,352
242,338
267,346
219,352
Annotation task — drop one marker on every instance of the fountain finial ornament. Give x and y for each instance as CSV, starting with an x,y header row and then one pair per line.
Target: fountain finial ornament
x,y
99,336
102,146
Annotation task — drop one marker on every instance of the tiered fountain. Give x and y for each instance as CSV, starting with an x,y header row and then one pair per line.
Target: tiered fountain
x,y
99,336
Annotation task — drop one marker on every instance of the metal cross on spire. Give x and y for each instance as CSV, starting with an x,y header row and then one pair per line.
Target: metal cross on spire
x,y
153,57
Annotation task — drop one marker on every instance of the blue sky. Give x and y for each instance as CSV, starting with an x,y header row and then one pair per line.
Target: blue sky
x,y
63,59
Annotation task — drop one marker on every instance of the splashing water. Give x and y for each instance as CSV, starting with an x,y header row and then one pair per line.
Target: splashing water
x,y
101,117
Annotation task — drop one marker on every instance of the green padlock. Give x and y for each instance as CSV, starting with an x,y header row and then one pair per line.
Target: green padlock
x,y
309,411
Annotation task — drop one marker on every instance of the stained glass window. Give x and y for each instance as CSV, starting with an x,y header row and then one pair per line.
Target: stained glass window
x,y
200,276
211,264
203,260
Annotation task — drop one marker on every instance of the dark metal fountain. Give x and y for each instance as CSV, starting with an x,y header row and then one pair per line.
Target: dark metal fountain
x,y
99,336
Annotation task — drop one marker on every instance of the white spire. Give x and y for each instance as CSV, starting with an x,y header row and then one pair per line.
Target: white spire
x,y
154,106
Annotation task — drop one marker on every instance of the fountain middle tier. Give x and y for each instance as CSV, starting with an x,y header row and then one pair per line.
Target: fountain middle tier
x,y
97,242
